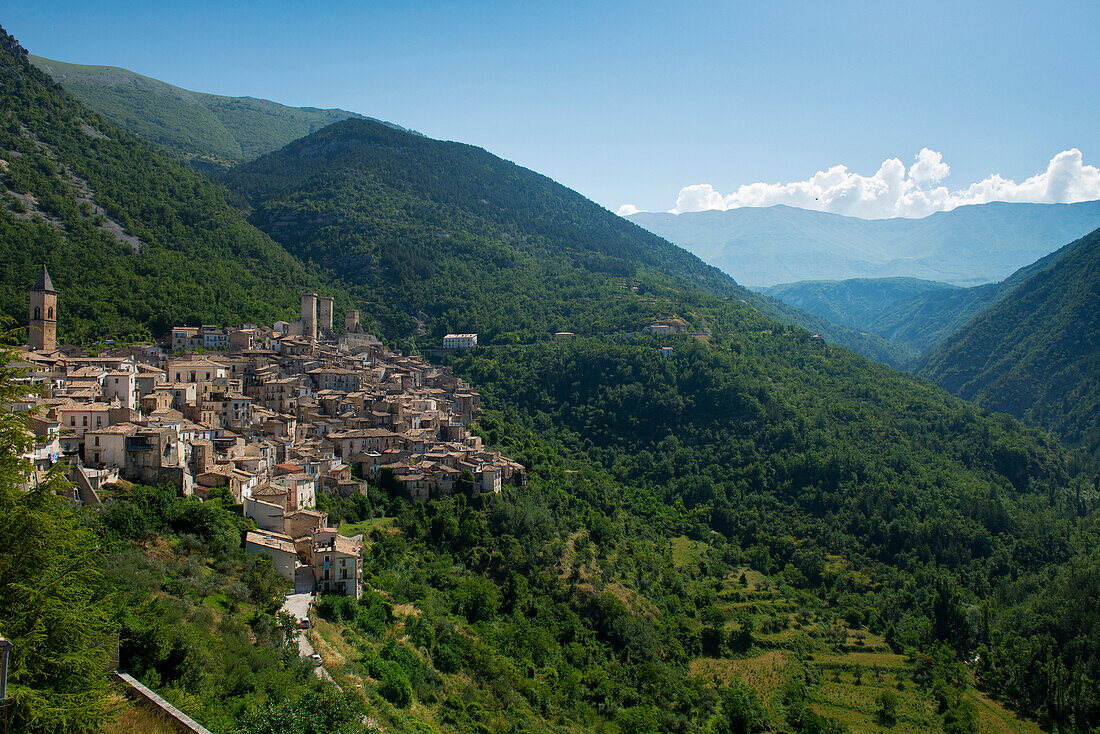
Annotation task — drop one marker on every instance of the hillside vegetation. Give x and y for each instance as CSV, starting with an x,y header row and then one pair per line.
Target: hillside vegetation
x,y
204,128
762,532
912,316
450,238
1036,353
135,241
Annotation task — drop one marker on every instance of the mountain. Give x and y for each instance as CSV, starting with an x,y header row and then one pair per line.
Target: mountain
x,y
853,303
447,237
135,241
203,128
758,505
967,246
913,316
214,131
1036,352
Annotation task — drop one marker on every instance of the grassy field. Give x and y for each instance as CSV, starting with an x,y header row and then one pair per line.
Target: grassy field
x,y
137,718
356,528
847,670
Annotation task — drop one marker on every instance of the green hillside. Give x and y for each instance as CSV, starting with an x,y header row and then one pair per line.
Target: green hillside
x,y
216,130
853,303
910,316
762,532
134,240
448,237
195,126
1036,353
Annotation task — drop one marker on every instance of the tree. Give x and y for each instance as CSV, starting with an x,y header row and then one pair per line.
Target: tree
x,y
53,601
887,714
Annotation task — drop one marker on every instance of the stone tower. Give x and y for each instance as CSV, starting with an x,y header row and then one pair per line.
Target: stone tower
x,y
325,325
351,322
43,314
309,315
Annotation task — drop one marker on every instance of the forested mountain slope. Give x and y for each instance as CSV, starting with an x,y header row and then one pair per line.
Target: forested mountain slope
x,y
134,240
215,130
967,246
1036,353
447,237
852,303
811,461
760,495
204,128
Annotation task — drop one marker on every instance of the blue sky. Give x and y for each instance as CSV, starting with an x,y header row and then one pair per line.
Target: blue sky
x,y
634,102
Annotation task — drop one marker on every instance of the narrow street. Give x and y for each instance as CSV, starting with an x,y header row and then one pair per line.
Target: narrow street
x,y
297,605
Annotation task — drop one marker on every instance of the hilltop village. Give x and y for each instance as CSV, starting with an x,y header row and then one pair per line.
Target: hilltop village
x,y
275,414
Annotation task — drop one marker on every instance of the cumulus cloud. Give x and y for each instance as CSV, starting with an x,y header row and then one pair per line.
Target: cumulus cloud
x,y
627,209
895,190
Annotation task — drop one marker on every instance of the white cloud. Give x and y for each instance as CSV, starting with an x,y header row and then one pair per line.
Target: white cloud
x,y
895,191
627,209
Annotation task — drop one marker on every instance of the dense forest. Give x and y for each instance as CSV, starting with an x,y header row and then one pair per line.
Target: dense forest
x,y
760,498
136,241
205,129
1036,353
795,453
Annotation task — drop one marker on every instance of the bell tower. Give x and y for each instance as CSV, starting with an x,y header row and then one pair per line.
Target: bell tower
x,y
43,314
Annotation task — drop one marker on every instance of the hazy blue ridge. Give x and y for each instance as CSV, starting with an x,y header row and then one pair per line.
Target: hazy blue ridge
x,y
970,245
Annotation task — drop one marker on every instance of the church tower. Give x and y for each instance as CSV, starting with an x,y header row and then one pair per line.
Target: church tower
x,y
43,314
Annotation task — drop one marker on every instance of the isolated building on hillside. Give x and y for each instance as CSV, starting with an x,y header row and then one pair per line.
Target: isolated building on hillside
x,y
460,341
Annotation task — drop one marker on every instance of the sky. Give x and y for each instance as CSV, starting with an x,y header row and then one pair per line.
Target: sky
x,y
866,108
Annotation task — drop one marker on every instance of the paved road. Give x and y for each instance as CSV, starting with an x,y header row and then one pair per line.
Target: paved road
x,y
297,605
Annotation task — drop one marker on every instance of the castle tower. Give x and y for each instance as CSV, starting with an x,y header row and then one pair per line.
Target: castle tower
x,y
309,315
43,314
351,322
325,325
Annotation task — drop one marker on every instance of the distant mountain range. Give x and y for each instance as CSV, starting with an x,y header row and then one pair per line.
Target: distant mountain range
x,y
203,128
967,246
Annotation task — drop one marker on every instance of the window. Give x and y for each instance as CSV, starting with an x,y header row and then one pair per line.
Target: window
x,y
97,440
49,312
37,312
84,420
96,457
72,420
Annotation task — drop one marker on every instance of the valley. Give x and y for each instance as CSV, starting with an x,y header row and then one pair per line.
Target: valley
x,y
721,516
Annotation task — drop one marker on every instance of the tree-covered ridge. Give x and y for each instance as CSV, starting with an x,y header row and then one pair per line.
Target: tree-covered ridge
x,y
1036,353
807,458
178,254
451,238
205,128
910,316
